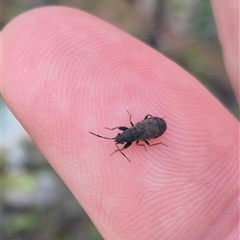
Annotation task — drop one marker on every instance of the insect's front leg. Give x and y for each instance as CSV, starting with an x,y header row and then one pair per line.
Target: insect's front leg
x,y
120,128
130,118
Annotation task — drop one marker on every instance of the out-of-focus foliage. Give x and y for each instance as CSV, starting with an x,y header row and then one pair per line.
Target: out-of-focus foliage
x,y
36,204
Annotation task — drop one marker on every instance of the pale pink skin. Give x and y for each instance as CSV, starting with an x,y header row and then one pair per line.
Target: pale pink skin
x,y
65,73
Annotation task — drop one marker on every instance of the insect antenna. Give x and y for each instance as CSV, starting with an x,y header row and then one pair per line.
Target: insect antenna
x,y
120,150
101,136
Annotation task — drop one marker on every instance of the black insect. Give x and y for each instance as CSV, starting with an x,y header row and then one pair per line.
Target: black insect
x,y
150,127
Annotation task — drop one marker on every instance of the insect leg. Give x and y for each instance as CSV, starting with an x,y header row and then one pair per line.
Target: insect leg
x,y
149,115
130,118
120,150
154,144
142,145
120,128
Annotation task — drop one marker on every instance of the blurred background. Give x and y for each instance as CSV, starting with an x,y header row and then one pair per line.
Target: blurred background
x,y
35,202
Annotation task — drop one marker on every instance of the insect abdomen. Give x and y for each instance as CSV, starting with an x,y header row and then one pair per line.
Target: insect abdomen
x,y
151,128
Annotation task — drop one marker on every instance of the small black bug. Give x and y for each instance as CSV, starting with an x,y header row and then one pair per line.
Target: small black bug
x,y
150,127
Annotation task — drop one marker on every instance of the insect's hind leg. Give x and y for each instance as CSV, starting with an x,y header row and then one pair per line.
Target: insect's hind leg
x,y
120,150
149,115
